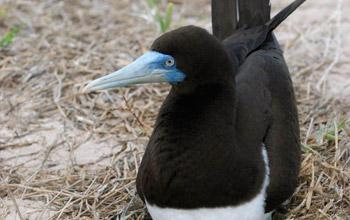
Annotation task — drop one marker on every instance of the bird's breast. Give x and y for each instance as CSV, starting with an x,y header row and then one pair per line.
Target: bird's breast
x,y
249,210
252,210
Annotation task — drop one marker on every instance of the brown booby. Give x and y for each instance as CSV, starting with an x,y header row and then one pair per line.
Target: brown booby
x,y
225,144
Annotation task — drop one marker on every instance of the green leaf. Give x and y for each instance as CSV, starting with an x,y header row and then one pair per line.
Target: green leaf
x,y
8,38
157,16
306,148
162,19
2,12
162,25
152,3
330,135
168,16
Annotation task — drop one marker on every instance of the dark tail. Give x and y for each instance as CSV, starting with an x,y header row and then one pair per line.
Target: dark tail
x,y
255,27
230,15
253,12
224,17
282,15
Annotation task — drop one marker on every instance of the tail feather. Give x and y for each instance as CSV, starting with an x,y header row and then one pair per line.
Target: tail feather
x,y
282,15
248,38
224,18
253,12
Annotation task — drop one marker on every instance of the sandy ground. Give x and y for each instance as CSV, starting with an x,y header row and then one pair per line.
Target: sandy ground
x,y
62,153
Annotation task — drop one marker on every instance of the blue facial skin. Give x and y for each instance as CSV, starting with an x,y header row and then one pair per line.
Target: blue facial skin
x,y
175,77
152,67
159,61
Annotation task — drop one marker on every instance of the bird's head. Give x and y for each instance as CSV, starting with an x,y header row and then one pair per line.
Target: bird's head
x,y
187,56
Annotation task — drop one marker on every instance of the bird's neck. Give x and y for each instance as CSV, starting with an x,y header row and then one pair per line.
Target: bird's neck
x,y
202,117
193,143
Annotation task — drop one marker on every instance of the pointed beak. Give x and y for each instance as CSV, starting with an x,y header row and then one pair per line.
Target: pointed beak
x,y
145,69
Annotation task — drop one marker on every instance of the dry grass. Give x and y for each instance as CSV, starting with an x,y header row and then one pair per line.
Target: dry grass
x,y
66,155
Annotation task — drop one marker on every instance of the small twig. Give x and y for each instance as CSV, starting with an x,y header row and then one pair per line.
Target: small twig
x,y
15,204
132,112
3,147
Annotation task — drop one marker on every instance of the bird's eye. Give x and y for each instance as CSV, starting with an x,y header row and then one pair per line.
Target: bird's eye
x,y
170,62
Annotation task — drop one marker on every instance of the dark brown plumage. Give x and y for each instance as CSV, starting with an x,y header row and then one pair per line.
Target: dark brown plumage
x,y
226,139
205,150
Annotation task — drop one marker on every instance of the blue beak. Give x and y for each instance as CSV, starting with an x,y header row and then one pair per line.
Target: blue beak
x,y
152,67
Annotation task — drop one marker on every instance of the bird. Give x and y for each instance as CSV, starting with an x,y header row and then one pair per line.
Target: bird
x,y
225,144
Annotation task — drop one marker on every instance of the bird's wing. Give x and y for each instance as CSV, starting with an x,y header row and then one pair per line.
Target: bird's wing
x,y
254,115
267,112
266,109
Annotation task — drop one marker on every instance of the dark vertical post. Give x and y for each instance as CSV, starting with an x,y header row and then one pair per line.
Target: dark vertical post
x,y
224,17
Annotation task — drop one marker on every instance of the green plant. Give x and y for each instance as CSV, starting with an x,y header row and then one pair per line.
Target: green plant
x,y
331,134
8,38
2,12
152,3
163,19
